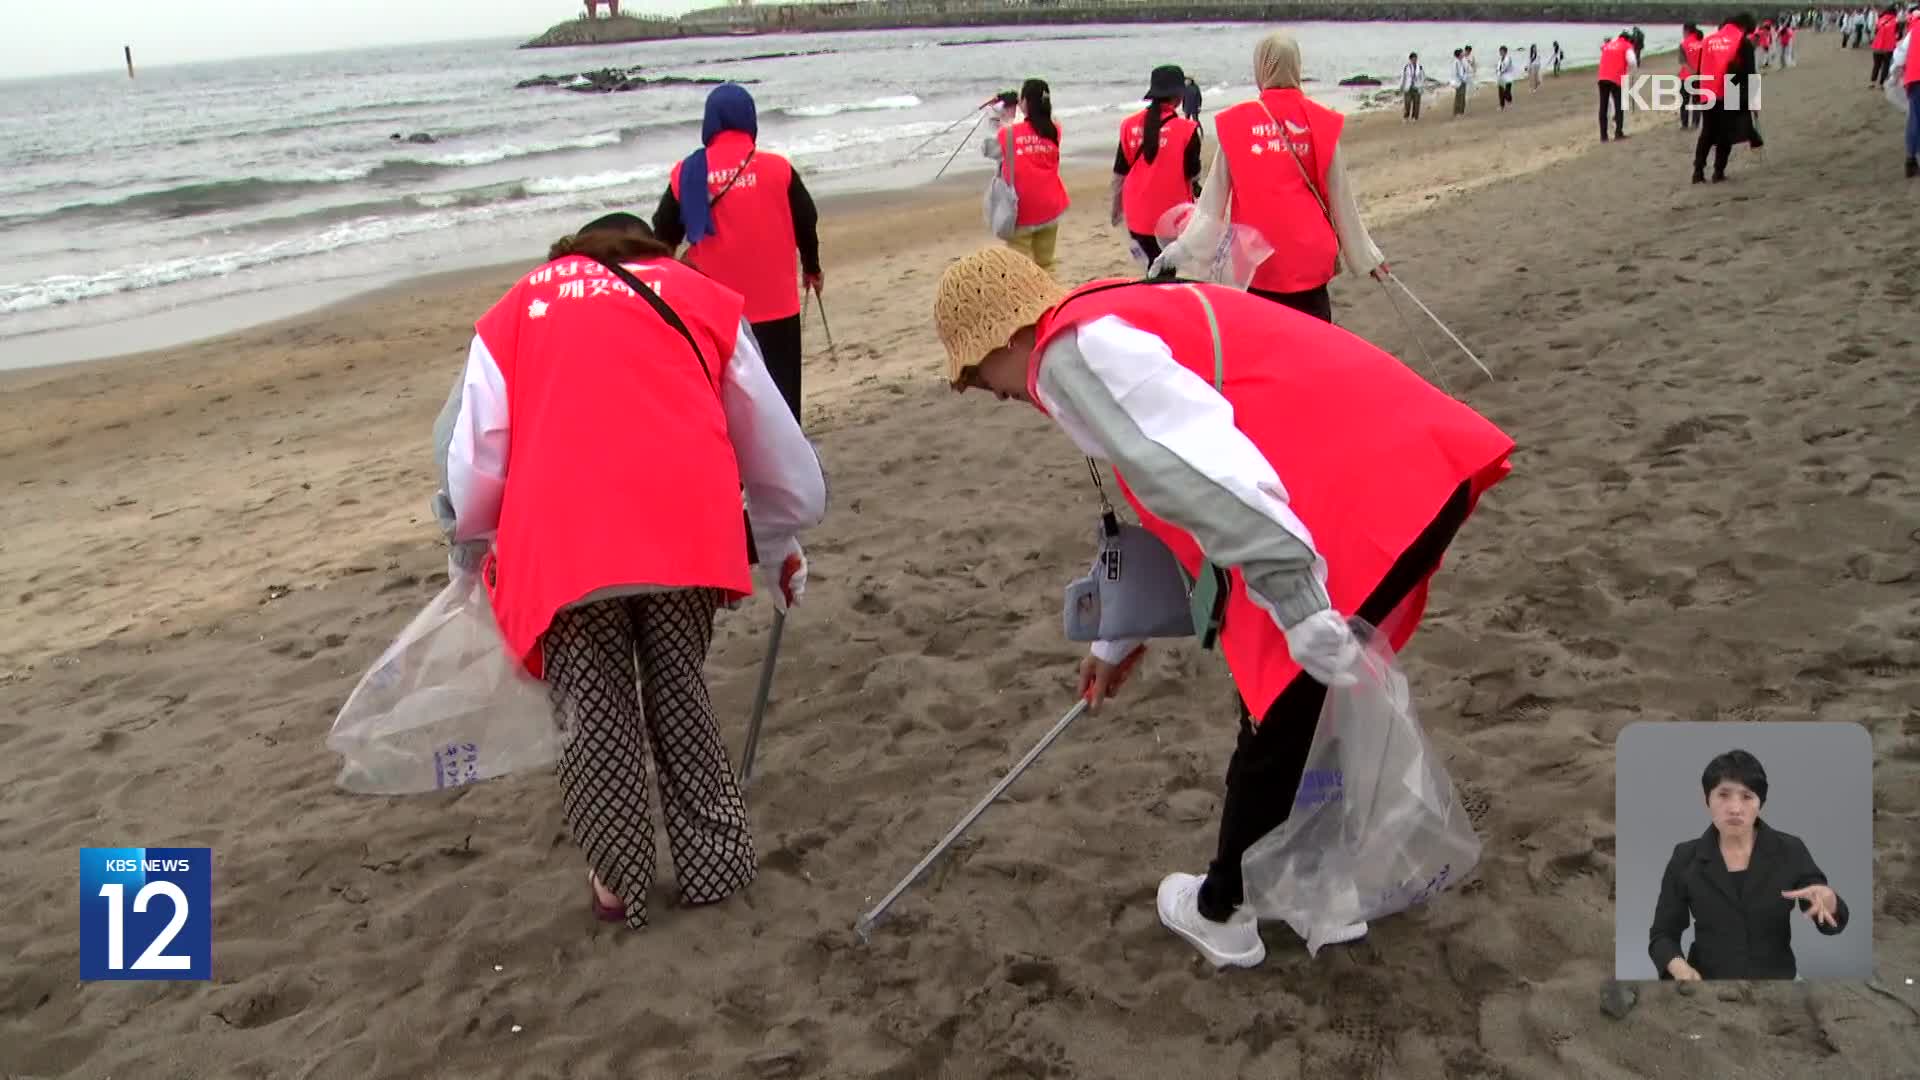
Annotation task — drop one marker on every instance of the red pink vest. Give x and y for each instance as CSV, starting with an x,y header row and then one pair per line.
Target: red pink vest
x,y
1154,187
1613,60
1886,33
1036,173
1270,160
752,248
1718,55
620,469
1368,452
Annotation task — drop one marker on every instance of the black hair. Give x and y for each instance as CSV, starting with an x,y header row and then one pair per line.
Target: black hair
x,y
617,237
1035,96
1156,113
1738,766
1744,21
1456,54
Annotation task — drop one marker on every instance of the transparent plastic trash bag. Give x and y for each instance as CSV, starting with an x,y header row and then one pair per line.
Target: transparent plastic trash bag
x,y
444,706
1376,826
1201,248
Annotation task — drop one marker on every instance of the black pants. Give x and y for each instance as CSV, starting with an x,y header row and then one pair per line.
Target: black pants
x,y
1506,94
1688,117
1718,129
1882,67
1263,777
780,343
1411,111
1610,95
1147,244
1314,302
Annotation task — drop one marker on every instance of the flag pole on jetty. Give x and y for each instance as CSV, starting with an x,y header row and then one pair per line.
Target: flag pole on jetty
x,y
128,49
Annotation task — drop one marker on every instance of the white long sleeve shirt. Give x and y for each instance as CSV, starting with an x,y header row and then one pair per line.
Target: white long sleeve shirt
x,y
785,489
1120,395
1462,73
1507,71
1412,77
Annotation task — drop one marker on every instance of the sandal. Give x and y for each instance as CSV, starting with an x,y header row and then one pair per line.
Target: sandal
x,y
603,912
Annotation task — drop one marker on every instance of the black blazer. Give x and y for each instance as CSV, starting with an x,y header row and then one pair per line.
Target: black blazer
x,y
1738,932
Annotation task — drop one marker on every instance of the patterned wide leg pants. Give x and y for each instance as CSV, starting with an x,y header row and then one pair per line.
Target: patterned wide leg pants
x,y
629,673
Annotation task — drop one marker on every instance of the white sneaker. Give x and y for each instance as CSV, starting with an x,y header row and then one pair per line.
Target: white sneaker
x,y
1234,943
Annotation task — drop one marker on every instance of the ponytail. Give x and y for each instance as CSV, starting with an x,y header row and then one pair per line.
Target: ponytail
x,y
1156,115
1039,105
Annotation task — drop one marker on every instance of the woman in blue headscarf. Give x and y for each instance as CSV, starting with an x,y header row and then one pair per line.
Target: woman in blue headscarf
x,y
743,226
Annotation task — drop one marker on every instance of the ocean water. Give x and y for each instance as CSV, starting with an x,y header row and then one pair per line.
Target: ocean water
x,y
217,194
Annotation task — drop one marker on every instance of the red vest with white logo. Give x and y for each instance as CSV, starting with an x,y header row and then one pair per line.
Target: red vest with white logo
x,y
1721,50
1367,451
1154,187
1886,33
1690,54
620,470
1613,60
751,247
1036,173
1270,159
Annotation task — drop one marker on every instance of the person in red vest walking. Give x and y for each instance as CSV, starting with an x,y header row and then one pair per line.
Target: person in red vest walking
x,y
1030,149
1616,59
613,406
743,227
1907,58
1279,170
1157,165
1726,63
1886,34
1322,473
1691,42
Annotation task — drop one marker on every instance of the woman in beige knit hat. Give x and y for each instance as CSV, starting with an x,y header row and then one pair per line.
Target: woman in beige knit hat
x,y
1279,169
1317,473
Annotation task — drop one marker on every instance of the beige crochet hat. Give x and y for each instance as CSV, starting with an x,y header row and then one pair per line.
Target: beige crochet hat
x,y
984,299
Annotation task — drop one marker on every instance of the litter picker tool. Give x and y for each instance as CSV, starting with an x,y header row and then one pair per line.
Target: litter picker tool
x,y
943,132
1436,321
760,697
1422,345
814,295
981,119
864,927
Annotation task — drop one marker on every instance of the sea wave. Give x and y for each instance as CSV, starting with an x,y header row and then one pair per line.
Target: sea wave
x,y
488,155
814,112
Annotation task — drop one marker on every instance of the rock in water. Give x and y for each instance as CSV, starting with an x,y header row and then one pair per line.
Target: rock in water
x,y
1359,80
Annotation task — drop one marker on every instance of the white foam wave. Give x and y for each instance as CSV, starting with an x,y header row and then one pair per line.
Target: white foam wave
x,y
573,185
491,154
814,112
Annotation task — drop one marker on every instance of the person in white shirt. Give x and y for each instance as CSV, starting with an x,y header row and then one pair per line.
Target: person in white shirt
x,y
1412,78
1533,68
1504,72
1462,80
1310,519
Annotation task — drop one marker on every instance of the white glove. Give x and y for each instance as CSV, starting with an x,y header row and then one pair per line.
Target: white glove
x,y
1325,648
782,572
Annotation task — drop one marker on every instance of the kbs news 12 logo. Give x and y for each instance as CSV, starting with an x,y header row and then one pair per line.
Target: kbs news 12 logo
x,y
146,913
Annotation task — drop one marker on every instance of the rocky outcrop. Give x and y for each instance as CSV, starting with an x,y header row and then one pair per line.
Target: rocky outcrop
x,y
615,81
613,31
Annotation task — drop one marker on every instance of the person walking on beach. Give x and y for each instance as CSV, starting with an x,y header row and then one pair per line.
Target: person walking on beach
x,y
593,455
1616,59
1272,464
1462,81
744,226
1533,69
1279,170
1505,70
1030,150
1691,42
1190,100
1413,78
1157,164
1559,57
1726,63
1886,34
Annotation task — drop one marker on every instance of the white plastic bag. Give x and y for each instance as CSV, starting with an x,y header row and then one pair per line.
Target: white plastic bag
x,y
444,706
1376,826
1200,248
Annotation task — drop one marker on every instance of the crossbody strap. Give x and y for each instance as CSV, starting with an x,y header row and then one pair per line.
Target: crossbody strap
x,y
734,179
667,314
1312,188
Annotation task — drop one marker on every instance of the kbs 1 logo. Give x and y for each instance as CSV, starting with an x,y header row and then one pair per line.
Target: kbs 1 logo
x,y
146,913
1668,93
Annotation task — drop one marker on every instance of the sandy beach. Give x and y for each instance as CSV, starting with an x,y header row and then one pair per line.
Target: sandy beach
x,y
1714,514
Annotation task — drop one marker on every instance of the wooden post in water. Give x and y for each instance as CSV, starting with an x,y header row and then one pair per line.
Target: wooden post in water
x,y
129,51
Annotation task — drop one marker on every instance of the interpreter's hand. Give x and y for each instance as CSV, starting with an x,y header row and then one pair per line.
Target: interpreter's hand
x,y
1681,970
1100,680
1823,905
1325,648
784,574
816,282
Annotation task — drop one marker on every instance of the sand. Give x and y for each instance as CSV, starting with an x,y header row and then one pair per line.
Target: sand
x,y
1713,515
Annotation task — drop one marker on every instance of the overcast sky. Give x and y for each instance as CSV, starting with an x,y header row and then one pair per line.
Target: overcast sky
x,y
44,37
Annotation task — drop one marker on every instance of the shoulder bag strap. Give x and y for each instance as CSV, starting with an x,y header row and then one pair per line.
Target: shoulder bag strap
x,y
734,179
667,314
1312,188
